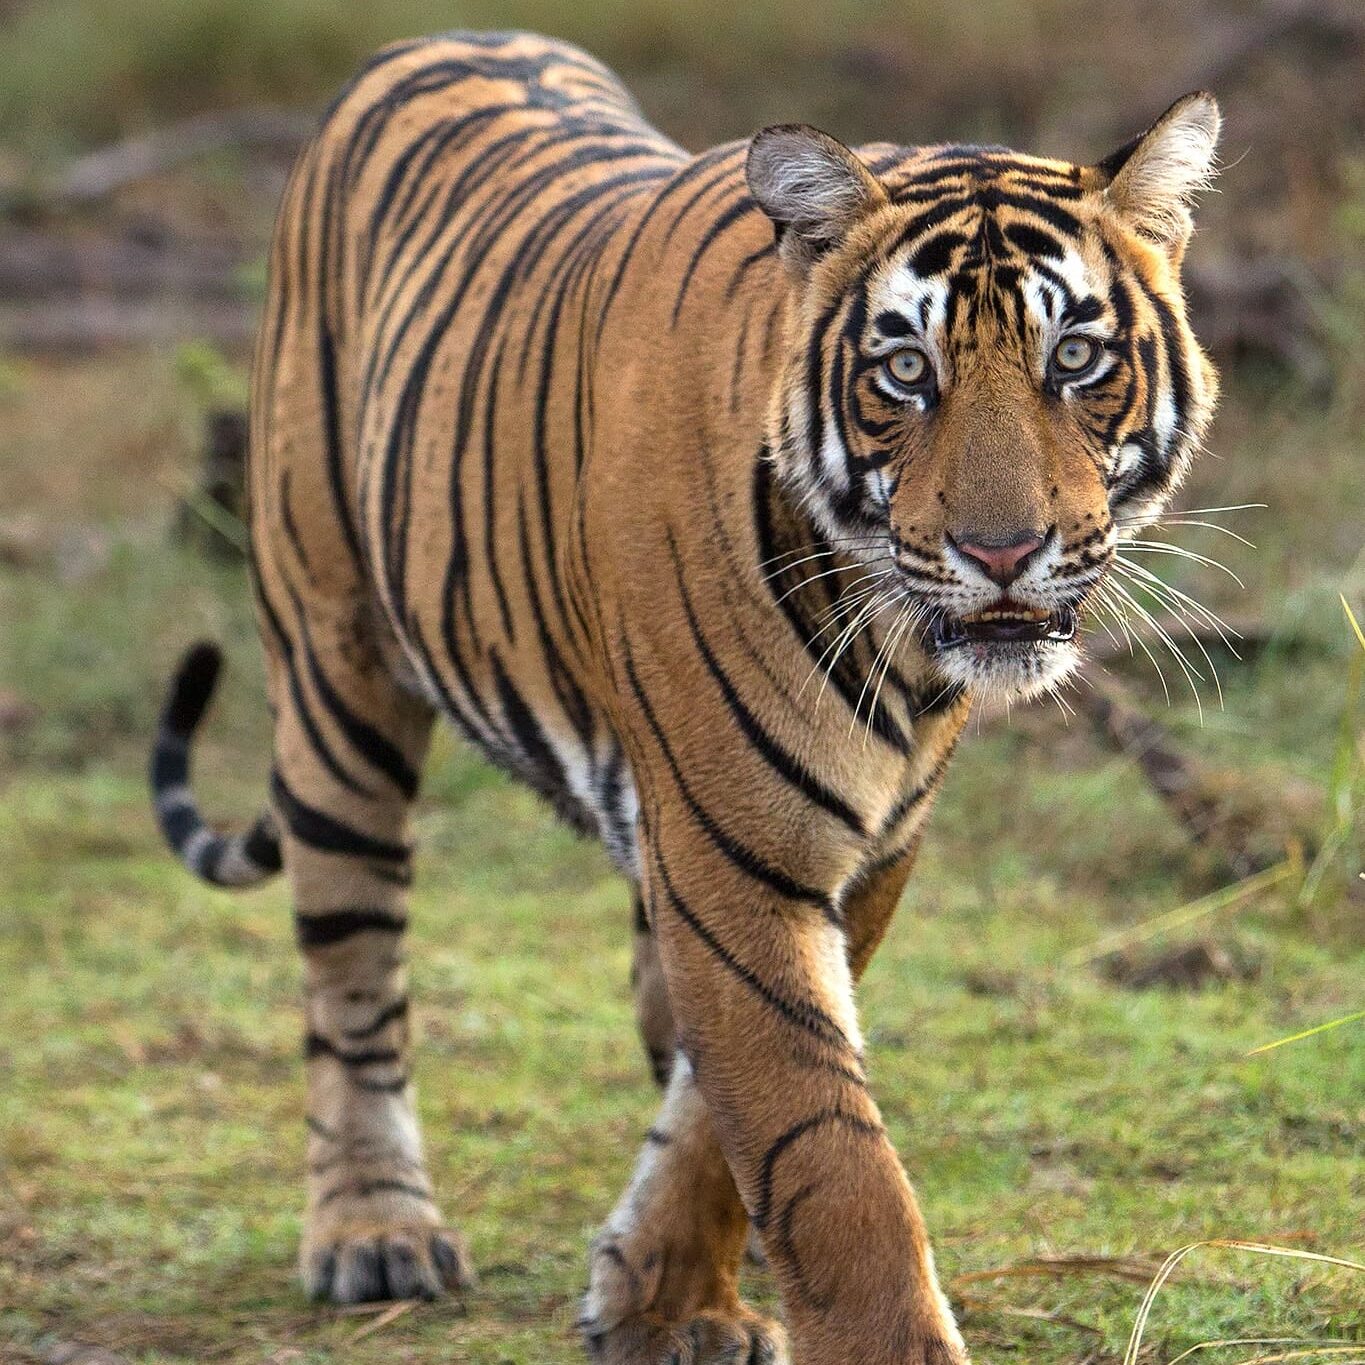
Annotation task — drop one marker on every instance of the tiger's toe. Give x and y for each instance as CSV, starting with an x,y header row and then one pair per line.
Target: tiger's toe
x,y
711,1337
365,1263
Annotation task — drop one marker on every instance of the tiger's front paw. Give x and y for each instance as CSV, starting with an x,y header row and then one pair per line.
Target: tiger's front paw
x,y
362,1261
735,1336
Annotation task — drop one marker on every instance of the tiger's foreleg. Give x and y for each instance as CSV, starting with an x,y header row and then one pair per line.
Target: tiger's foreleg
x,y
763,1003
681,1170
348,746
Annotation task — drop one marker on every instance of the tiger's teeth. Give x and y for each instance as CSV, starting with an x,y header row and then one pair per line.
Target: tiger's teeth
x,y
1007,616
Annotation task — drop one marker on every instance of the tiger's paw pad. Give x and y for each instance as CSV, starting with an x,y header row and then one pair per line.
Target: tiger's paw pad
x,y
712,1337
364,1263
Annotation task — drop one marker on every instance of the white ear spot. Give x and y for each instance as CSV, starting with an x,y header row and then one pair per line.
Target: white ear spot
x,y
809,184
1156,176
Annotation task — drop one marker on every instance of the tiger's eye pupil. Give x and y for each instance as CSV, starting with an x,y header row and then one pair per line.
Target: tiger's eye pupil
x,y
907,366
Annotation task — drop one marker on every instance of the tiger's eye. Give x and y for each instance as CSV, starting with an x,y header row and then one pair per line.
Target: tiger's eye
x,y
908,366
1074,354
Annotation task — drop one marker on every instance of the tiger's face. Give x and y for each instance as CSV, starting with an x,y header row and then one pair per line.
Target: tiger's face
x,y
990,375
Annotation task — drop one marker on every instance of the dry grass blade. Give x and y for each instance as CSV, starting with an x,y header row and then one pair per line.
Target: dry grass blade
x,y
390,1314
1130,1356
1351,617
1226,898
217,518
1335,1352
1306,1346
352,1310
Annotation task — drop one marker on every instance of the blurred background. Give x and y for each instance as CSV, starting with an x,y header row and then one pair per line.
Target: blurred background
x,y
1060,1021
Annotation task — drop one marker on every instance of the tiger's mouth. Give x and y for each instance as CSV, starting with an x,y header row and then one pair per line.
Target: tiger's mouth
x,y
1006,623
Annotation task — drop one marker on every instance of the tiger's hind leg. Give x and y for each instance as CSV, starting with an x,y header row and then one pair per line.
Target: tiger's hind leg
x,y
349,742
664,1286
653,1014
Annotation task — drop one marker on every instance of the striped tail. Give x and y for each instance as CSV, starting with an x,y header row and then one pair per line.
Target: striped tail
x,y
223,859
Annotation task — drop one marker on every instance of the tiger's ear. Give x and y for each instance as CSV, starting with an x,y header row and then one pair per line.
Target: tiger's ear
x,y
812,187
1152,180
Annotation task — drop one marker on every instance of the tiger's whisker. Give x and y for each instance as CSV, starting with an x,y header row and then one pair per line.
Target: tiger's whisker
x,y
904,623
830,547
841,642
814,578
1161,547
1209,526
1185,621
1121,616
1192,674
1204,614
1192,512
884,648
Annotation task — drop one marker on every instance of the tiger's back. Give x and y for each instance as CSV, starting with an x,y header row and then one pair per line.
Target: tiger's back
x,y
436,243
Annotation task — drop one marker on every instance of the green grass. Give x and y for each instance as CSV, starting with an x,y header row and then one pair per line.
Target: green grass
x,y
151,1140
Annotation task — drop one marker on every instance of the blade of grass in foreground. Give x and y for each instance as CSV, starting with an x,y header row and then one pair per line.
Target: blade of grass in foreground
x,y
1234,1244
1225,898
1308,1032
1351,617
1304,1345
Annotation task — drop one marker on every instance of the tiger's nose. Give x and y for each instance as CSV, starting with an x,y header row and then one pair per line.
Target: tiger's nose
x,y
1002,561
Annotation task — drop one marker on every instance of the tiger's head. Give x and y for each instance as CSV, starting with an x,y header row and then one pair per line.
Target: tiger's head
x,y
990,374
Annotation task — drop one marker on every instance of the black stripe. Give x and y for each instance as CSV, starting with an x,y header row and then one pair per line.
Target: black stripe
x,y
359,1189
376,749
328,835
331,420
742,857
388,1015
1033,241
1175,361
803,1014
935,255
673,184
763,1204
785,764
992,198
178,825
322,750
336,926
315,1045
530,737
394,1087
261,845
732,215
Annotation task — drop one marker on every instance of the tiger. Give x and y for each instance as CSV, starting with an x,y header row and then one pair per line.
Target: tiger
x,y
706,495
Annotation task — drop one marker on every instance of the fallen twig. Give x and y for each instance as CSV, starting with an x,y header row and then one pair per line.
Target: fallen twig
x,y
1036,1314
1124,1267
1248,827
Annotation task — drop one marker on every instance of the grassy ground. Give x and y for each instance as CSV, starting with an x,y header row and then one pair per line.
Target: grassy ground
x,y
151,1141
